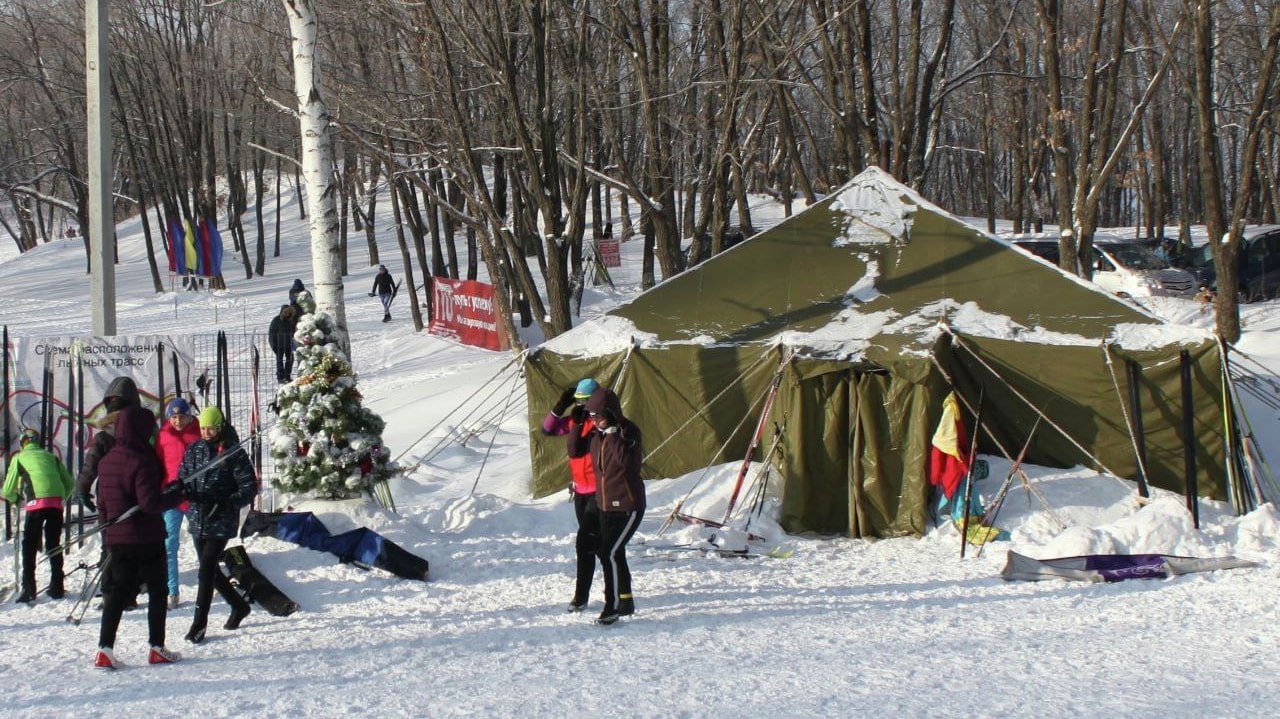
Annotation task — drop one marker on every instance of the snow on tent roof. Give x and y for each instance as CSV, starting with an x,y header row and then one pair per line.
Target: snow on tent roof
x,y
873,260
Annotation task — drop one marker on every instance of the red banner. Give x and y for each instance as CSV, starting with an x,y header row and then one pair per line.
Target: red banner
x,y
464,311
610,253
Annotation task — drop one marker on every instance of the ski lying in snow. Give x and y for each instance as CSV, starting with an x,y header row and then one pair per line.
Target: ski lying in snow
x,y
775,553
255,586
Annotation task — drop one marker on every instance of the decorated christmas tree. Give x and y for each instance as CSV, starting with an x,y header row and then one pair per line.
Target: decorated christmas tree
x,y
325,442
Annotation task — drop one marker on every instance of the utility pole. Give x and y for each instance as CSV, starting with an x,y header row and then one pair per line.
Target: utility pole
x,y
102,267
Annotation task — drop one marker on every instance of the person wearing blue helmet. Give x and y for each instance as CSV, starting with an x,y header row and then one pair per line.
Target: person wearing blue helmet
x,y
582,480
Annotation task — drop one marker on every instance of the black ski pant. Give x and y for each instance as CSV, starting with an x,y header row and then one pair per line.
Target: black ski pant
x,y
284,365
616,529
42,524
211,577
127,566
587,544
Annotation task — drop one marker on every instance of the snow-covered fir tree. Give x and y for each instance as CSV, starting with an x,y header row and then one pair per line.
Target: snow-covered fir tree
x,y
325,441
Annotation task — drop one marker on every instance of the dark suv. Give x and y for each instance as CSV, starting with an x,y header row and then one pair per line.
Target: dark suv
x,y
1259,271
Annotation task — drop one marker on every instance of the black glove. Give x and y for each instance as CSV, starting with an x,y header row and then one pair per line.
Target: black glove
x,y
578,414
172,492
566,399
86,500
187,487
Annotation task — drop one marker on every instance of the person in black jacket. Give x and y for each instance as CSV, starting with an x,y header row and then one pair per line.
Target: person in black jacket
x,y
617,455
280,337
294,290
385,289
217,495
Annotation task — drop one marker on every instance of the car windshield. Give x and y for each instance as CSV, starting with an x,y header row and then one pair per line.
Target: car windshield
x,y
1202,256
1135,257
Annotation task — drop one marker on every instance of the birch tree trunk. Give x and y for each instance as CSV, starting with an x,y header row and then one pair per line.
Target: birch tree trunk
x,y
317,161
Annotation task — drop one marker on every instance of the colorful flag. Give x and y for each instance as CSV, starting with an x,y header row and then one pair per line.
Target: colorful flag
x,y
192,257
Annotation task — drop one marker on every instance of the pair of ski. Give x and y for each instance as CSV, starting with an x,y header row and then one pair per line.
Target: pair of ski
x,y
712,550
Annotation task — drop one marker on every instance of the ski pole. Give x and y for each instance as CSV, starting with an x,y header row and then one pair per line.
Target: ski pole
x,y
968,480
88,591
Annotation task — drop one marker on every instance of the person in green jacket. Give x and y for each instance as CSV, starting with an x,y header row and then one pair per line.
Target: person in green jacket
x,y
39,479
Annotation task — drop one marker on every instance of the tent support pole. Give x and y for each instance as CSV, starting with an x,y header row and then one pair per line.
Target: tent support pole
x,y
1188,439
1134,373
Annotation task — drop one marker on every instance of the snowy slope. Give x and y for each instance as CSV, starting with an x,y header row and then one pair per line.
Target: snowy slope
x,y
897,627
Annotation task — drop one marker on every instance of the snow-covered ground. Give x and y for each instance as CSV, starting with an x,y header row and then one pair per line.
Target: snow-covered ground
x,y
825,627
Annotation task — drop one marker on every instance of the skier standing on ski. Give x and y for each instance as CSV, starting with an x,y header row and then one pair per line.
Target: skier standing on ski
x,y
280,337
178,432
385,289
582,481
43,482
216,496
616,455
130,475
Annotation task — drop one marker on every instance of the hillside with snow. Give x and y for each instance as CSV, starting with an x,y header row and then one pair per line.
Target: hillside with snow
x,y
808,626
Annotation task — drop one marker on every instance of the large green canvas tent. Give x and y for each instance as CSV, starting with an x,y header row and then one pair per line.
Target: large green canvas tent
x,y
872,305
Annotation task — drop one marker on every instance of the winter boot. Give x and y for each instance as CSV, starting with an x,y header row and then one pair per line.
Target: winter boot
x,y
160,655
57,587
104,659
237,615
386,317
626,605
28,595
195,635
576,605
608,616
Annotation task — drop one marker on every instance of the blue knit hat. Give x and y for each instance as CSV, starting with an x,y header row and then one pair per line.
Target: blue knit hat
x,y
585,388
177,405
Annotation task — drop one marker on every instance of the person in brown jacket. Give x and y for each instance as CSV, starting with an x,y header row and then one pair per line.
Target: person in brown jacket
x,y
130,475
616,453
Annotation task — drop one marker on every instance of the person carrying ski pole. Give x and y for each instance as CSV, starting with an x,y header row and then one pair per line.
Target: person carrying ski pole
x,y
216,497
121,393
40,479
616,455
130,475
582,481
385,289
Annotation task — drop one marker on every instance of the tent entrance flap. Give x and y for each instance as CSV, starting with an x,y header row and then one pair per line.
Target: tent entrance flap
x,y
868,476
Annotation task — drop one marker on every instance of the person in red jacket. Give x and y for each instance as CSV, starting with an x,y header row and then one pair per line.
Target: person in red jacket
x,y
582,481
129,475
616,454
176,434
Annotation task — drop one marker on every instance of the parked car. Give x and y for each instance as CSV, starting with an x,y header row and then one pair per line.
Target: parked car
x,y
1259,269
1125,268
